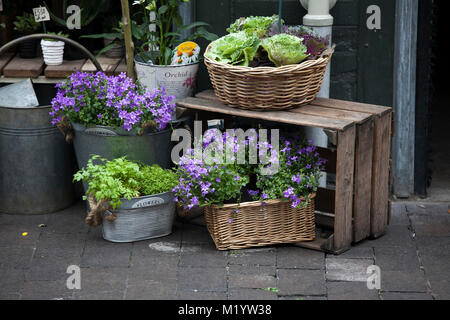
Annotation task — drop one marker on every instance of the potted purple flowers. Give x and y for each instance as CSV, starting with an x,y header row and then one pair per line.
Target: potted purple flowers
x,y
114,117
244,205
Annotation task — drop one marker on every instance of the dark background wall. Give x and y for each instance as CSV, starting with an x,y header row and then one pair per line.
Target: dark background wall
x,y
361,68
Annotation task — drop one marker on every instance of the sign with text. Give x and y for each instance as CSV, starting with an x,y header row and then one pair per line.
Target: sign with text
x,y
41,14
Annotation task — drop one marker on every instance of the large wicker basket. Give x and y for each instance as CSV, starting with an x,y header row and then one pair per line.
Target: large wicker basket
x,y
257,225
268,88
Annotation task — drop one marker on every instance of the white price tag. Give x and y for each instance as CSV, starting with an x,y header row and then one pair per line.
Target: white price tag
x,y
41,14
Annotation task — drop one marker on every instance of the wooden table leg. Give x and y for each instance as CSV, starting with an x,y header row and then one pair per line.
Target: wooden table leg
x,y
363,181
380,176
345,166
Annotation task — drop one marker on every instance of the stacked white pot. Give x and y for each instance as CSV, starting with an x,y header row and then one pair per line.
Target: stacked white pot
x,y
53,52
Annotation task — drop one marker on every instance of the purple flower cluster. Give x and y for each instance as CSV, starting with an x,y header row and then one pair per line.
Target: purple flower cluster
x,y
97,99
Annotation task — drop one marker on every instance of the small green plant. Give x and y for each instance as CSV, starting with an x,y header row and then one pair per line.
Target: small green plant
x,y
26,24
116,36
123,179
60,33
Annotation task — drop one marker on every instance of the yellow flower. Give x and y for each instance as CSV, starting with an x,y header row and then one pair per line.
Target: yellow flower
x,y
24,234
151,6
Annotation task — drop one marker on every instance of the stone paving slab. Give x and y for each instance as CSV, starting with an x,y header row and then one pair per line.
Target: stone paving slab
x,y
413,256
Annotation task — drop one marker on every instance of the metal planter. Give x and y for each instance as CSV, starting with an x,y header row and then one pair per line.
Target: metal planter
x,y
111,143
36,163
141,219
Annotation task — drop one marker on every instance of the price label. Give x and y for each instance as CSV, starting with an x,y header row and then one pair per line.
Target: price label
x,y
41,14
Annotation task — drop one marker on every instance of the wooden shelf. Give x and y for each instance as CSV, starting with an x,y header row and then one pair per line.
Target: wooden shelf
x,y
357,207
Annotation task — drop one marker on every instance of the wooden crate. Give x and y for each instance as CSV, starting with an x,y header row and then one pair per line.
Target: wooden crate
x,y
357,206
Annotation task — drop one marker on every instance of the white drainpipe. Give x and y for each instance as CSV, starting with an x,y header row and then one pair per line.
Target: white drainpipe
x,y
320,20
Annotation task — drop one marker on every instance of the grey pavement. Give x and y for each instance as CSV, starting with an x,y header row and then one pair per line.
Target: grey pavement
x,y
36,251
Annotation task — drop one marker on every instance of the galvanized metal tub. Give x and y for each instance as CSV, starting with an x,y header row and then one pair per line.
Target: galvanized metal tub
x,y
36,163
111,143
141,219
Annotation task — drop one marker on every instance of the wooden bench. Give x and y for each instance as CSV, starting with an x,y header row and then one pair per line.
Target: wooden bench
x,y
359,157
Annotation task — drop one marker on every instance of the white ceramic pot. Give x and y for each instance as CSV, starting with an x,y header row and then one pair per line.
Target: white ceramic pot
x,y
179,81
53,52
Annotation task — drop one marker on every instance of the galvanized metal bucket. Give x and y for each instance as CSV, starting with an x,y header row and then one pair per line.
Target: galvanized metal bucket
x,y
36,163
141,219
111,143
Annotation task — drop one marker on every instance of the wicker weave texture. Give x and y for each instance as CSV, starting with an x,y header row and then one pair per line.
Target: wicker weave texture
x,y
255,225
268,88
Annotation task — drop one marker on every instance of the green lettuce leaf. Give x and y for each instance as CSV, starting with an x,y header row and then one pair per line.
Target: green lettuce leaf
x,y
253,25
235,48
285,49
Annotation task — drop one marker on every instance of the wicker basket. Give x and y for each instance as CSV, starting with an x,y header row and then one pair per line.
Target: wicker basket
x,y
255,225
268,88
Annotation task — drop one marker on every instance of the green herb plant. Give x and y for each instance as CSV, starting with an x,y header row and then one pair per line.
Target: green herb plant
x,y
120,179
26,24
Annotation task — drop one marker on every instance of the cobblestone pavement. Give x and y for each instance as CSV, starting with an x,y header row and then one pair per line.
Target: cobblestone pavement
x,y
414,258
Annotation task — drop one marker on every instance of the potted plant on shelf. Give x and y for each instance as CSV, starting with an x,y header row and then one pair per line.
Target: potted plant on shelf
x,y
114,117
114,46
285,65
26,25
282,210
135,200
53,50
160,61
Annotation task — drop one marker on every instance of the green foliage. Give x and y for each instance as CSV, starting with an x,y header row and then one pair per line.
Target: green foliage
x,y
164,39
60,33
236,48
285,49
253,25
123,179
26,23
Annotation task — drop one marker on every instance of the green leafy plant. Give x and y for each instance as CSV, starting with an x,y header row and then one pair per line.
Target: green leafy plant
x,y
26,24
116,37
164,38
123,179
236,48
285,49
60,33
253,25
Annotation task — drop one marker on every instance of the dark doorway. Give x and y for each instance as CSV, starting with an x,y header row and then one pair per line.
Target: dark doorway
x,y
432,160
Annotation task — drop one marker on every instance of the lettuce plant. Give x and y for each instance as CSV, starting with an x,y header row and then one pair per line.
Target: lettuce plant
x,y
236,48
253,25
285,49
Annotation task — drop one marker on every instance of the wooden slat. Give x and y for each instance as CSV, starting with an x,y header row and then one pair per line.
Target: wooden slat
x,y
380,175
24,68
344,189
278,116
351,106
4,59
65,69
363,181
358,117
108,65
343,109
121,67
